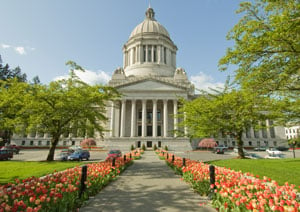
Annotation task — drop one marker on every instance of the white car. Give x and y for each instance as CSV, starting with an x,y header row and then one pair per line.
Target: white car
x,y
273,151
235,150
274,156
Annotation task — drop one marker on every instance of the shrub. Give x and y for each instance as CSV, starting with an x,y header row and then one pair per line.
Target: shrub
x,y
143,147
154,147
132,147
166,148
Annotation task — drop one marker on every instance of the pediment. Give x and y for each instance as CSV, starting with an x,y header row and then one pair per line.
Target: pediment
x,y
150,85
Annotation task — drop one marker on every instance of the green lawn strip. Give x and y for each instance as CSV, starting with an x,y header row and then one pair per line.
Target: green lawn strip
x,y
283,170
9,170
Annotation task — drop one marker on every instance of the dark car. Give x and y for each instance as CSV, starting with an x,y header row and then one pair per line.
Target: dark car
x,y
114,154
218,150
14,148
79,155
6,154
283,148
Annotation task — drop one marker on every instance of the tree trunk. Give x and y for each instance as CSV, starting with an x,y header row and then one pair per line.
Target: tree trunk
x,y
54,142
240,145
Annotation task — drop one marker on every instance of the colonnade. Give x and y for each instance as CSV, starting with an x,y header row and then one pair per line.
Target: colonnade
x,y
149,53
164,122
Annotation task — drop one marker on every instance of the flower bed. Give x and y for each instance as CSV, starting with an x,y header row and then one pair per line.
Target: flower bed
x,y
59,191
237,191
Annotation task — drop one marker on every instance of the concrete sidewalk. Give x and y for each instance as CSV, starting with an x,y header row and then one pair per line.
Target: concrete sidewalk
x,y
148,185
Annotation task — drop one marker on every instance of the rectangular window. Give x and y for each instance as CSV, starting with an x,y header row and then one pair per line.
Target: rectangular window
x,y
40,143
139,130
248,134
48,143
158,130
158,116
140,115
250,143
149,130
23,143
275,143
31,143
149,53
149,117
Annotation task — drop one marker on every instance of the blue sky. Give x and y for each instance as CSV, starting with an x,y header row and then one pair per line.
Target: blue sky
x,y
40,36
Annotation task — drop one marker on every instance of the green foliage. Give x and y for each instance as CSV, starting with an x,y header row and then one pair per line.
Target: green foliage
x,y
166,148
10,170
283,170
229,112
266,52
7,73
132,147
143,147
154,147
294,142
202,187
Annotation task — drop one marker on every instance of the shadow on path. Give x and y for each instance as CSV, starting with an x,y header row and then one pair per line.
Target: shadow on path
x,y
147,185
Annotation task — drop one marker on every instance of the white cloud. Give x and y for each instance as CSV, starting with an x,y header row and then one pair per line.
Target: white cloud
x,y
5,46
204,82
89,77
20,50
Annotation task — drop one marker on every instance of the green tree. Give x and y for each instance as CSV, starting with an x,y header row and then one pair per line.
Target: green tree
x,y
267,50
7,73
229,112
62,105
12,95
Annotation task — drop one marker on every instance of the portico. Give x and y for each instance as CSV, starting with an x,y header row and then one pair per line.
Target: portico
x,y
141,121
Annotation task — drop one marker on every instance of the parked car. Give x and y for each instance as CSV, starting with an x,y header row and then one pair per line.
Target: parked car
x,y
253,156
6,154
218,150
278,156
113,154
260,148
63,156
221,146
273,151
79,155
283,148
14,148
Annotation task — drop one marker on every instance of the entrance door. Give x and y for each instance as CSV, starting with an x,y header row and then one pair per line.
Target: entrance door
x,y
149,144
149,130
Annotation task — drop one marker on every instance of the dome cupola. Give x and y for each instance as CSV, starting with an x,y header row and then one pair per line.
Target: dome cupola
x,y
149,49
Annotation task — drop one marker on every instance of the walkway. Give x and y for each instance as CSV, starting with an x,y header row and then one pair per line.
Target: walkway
x,y
148,185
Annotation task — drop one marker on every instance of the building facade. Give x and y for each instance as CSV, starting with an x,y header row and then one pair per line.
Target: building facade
x,y
151,85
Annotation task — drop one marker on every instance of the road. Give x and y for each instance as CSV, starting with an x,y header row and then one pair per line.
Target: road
x,y
41,155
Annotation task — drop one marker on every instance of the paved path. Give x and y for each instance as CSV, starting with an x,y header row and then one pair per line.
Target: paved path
x,y
148,185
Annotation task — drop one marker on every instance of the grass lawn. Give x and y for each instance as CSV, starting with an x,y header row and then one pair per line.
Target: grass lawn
x,y
9,170
283,170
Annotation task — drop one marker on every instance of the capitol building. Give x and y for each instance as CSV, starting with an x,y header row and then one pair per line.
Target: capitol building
x,y
151,85
147,112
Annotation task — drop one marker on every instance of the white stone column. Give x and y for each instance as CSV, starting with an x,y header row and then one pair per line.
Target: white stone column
x,y
185,127
159,54
144,122
152,53
165,118
133,118
123,112
154,118
112,119
175,117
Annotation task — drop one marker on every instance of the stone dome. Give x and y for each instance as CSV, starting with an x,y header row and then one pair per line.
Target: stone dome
x,y
149,26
